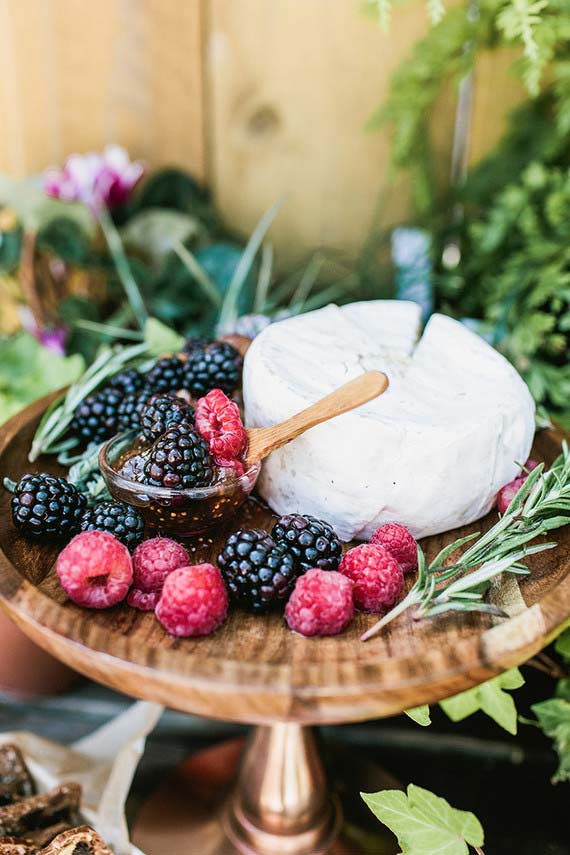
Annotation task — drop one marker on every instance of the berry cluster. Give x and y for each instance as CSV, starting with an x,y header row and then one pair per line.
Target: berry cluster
x,y
298,567
187,444
370,577
97,572
119,405
47,507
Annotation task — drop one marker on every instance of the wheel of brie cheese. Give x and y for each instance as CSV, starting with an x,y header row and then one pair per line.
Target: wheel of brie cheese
x,y
430,453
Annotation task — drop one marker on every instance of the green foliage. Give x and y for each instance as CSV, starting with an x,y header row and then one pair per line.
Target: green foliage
x,y
415,87
10,247
515,274
491,698
161,339
65,238
28,370
554,720
562,645
425,824
153,232
448,53
420,715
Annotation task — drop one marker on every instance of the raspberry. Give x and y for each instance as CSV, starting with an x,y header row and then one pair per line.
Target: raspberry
x,y
154,560
95,570
194,601
321,603
398,541
507,493
218,420
377,576
144,601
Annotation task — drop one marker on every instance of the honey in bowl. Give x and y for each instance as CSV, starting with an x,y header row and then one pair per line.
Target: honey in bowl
x,y
178,512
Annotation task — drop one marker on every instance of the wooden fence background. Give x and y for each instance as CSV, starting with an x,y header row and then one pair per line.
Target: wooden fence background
x,y
261,98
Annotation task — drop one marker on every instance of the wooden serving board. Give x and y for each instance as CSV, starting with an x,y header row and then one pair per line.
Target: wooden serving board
x,y
254,669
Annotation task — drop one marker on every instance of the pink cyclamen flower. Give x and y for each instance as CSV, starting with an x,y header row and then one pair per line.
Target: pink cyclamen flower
x,y
52,338
97,180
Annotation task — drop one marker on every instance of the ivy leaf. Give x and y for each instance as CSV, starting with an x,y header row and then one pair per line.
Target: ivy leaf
x,y
28,370
154,231
491,698
562,645
420,715
554,721
161,338
425,824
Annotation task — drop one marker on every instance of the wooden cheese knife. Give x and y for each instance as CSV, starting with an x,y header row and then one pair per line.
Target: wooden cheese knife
x,y
262,441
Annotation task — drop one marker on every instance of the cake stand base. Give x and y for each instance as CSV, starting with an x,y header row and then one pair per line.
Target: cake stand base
x,y
270,797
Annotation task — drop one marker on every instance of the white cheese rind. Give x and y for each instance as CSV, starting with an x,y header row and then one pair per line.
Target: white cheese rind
x,y
431,453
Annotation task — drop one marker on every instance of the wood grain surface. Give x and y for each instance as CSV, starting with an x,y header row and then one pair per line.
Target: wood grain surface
x,y
262,98
253,669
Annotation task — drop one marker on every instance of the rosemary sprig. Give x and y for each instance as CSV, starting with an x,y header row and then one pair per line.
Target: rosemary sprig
x,y
542,504
48,438
85,475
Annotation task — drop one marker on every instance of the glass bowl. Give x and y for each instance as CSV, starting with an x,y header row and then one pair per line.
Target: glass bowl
x,y
183,513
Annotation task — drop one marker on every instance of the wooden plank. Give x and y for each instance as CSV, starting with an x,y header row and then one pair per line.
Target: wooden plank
x,y
496,92
77,75
291,86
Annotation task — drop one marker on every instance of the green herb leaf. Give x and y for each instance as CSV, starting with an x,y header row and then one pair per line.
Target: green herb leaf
x,y
420,715
554,720
491,698
161,339
425,824
28,371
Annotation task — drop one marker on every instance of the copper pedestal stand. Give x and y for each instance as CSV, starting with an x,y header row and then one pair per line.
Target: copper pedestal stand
x,y
270,796
255,671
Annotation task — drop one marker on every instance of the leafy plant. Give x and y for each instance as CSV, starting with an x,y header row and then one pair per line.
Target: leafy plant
x,y
448,53
491,698
28,370
426,824
50,434
515,275
420,715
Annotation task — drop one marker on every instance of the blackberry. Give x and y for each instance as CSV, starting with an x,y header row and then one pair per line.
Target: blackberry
x,y
313,542
95,419
259,573
179,459
215,366
46,506
128,382
166,375
130,410
195,343
118,518
162,412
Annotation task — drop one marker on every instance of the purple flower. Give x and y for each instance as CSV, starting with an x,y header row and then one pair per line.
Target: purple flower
x,y
97,180
52,338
